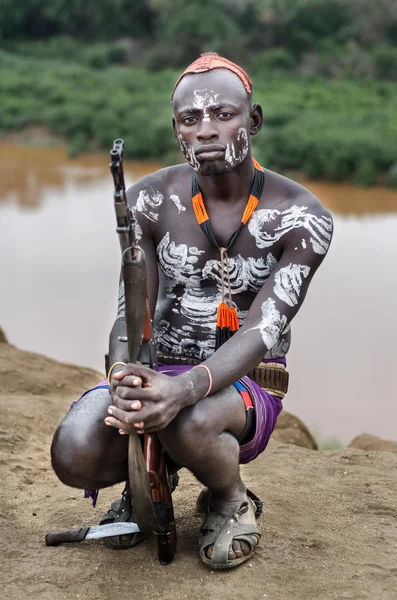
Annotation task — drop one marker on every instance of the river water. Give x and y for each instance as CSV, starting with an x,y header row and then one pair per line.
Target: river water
x,y
59,264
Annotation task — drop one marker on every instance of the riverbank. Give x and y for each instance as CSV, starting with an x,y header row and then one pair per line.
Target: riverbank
x,y
327,531
325,129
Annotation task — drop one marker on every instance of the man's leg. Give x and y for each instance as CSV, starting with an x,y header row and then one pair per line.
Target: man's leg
x,y
85,452
202,438
88,454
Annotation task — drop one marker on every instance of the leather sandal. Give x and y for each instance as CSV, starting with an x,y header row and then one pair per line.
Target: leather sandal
x,y
219,532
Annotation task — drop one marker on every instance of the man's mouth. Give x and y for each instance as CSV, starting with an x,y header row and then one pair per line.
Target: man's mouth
x,y
209,152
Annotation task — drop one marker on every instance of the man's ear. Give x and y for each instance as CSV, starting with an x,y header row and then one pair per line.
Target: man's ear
x,y
256,119
174,127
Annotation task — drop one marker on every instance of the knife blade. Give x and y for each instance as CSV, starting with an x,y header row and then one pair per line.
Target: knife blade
x,y
91,533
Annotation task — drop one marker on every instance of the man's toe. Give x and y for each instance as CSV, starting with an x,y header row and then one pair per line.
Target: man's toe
x,y
238,551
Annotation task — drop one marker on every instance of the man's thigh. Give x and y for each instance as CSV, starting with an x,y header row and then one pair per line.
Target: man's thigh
x,y
222,411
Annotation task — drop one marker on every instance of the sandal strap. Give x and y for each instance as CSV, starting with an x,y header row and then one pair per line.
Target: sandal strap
x,y
220,532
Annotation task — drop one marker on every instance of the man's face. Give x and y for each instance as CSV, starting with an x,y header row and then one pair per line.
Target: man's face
x,y
212,121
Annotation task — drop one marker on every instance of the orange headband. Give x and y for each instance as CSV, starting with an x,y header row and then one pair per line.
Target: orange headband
x,y
210,61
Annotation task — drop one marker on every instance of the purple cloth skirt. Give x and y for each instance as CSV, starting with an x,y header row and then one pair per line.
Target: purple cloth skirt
x,y
266,407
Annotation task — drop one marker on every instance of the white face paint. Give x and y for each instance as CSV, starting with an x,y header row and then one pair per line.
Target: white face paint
x,y
320,228
288,283
272,324
204,100
188,154
178,203
148,200
232,157
244,273
304,245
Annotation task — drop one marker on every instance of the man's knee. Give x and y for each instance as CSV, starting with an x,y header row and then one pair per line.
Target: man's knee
x,y
186,434
74,457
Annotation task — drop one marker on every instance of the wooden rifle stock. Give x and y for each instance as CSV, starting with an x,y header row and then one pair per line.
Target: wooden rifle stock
x,y
147,470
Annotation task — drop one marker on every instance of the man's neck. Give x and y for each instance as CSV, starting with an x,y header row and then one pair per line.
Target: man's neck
x,y
228,187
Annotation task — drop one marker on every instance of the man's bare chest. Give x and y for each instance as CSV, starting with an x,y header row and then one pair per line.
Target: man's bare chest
x,y
188,258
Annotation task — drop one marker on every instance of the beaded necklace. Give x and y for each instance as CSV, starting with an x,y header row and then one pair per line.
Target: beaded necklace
x,y
227,320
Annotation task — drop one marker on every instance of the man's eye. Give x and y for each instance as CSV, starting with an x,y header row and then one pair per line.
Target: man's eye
x,y
189,120
225,115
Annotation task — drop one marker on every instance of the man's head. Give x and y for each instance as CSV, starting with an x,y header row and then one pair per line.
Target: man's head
x,y
213,115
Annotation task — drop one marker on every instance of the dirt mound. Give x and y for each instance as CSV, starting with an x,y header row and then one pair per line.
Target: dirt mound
x,y
328,529
291,430
3,337
28,373
372,442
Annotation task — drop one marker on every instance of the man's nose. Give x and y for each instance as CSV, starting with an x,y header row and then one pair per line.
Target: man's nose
x,y
206,130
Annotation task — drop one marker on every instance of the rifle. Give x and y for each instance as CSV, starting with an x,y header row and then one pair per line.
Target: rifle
x,y
147,471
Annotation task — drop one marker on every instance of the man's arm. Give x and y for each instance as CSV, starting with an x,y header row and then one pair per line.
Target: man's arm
x,y
275,305
118,350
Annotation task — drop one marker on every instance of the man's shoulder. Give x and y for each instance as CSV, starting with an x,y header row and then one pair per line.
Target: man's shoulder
x,y
161,182
288,193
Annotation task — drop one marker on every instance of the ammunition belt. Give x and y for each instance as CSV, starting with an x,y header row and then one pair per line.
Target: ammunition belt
x,y
272,377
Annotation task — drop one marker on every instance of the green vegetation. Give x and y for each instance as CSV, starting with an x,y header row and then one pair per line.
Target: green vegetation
x,y
327,443
325,72
330,443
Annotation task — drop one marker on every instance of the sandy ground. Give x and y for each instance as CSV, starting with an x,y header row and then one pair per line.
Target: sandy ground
x,y
329,530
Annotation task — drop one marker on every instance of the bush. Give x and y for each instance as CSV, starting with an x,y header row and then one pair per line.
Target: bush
x,y
117,54
392,176
365,173
326,129
272,60
385,62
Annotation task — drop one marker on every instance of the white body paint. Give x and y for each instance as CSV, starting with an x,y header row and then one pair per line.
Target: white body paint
x,y
184,286
137,228
178,203
272,324
177,261
288,283
245,273
280,349
196,305
148,202
320,228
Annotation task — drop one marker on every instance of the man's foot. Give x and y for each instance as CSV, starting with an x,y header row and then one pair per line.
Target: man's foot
x,y
120,511
229,537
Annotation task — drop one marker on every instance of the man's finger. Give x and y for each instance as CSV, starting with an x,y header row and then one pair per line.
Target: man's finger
x,y
111,421
128,418
138,371
134,393
131,381
126,404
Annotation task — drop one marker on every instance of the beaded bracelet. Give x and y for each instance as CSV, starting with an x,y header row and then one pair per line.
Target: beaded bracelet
x,y
209,376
